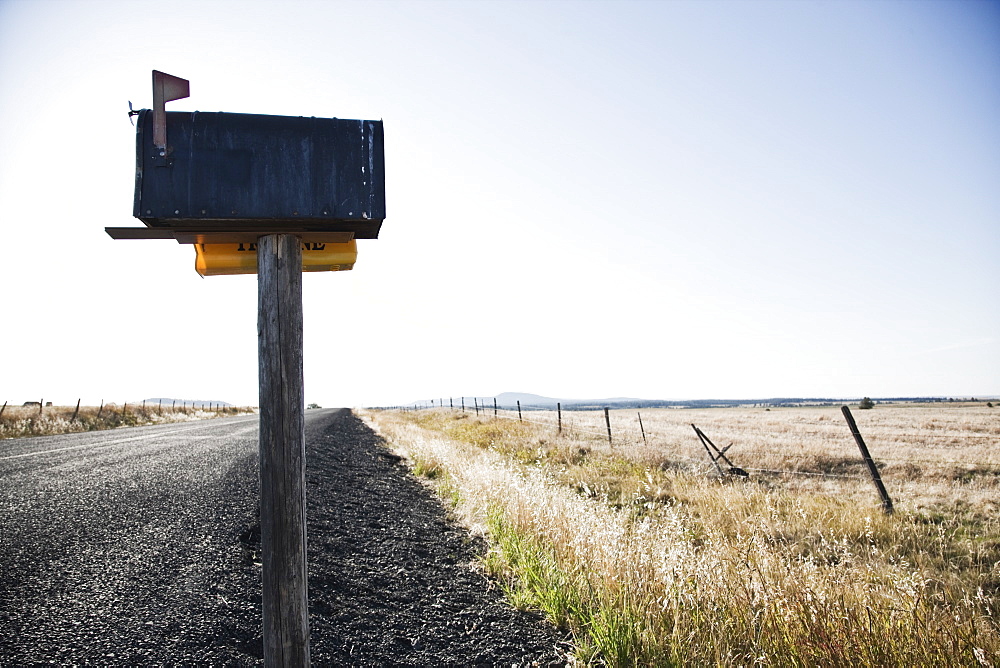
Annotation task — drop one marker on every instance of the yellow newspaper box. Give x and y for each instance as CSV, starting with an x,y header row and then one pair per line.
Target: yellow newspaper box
x,y
228,259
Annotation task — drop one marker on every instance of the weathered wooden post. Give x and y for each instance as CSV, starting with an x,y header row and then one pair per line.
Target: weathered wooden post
x,y
559,415
282,450
607,420
275,196
872,468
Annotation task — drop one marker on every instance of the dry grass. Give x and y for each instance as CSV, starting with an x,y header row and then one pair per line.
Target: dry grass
x,y
26,421
650,561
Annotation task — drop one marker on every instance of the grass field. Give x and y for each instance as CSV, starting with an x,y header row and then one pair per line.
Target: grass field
x,y
26,421
649,557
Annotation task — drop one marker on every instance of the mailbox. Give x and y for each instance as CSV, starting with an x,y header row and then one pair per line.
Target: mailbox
x,y
223,177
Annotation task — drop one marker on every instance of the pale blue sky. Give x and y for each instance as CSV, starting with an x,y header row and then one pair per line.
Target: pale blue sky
x,y
585,199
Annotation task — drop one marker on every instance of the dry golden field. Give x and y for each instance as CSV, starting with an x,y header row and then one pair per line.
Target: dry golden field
x,y
27,421
649,557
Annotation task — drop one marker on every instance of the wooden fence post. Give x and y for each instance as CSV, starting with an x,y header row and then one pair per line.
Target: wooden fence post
x,y
872,468
494,406
101,409
519,411
282,451
559,415
607,421
76,412
641,428
463,404
3,409
41,406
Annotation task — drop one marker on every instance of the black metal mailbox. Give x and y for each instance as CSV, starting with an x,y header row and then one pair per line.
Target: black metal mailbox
x,y
220,172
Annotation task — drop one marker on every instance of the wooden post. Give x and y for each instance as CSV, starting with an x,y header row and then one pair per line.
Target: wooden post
x,y
519,410
559,415
607,420
282,451
451,403
3,409
463,404
101,409
41,405
641,428
872,468
494,406
476,402
76,412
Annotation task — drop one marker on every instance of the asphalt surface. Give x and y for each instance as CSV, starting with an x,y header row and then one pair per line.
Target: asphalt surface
x,y
140,546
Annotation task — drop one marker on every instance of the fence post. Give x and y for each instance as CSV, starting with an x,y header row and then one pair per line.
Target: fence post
x,y
3,409
41,406
76,412
872,468
559,414
101,409
475,401
641,428
607,420
519,411
494,406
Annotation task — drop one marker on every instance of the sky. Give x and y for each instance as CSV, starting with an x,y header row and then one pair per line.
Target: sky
x,y
661,200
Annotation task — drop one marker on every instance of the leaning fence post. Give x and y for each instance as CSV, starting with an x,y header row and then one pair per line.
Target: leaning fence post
x,y
607,420
519,411
101,409
41,406
476,402
3,409
641,428
76,412
872,468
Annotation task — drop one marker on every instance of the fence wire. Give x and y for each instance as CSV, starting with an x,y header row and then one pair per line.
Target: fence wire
x,y
570,425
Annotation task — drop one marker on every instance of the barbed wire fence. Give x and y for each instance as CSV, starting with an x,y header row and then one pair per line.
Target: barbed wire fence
x,y
620,432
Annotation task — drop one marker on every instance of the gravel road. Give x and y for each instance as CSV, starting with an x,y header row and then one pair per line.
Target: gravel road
x,y
141,547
